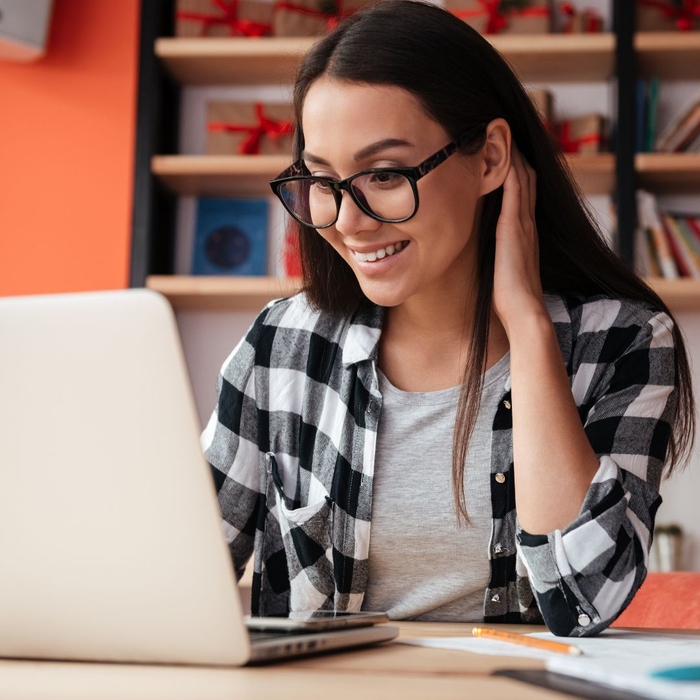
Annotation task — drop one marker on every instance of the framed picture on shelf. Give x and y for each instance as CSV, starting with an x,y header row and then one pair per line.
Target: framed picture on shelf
x,y
230,237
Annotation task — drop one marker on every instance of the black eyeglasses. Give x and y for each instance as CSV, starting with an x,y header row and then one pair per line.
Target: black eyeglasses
x,y
386,194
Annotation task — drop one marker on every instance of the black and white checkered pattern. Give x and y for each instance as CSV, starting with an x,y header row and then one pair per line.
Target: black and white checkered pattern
x,y
292,445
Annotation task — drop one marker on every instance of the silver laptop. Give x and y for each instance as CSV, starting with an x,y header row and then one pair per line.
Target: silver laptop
x,y
111,545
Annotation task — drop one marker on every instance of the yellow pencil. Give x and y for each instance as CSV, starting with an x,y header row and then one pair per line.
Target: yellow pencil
x,y
545,644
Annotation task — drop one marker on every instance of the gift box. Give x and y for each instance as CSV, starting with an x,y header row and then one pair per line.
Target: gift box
x,y
585,22
584,134
667,15
223,18
249,128
504,17
311,17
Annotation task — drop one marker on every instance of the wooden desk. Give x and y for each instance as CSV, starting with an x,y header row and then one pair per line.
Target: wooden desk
x,y
388,671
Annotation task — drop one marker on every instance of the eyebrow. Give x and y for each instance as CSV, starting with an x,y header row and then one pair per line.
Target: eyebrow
x,y
363,153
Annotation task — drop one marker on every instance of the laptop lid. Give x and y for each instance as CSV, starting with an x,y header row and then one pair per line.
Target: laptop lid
x,y
110,530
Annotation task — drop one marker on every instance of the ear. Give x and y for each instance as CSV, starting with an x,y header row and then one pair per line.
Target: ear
x,y
494,156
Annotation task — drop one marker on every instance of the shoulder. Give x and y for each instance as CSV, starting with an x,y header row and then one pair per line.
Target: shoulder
x,y
288,327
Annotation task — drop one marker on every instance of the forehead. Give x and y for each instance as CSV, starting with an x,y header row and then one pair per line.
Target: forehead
x,y
344,114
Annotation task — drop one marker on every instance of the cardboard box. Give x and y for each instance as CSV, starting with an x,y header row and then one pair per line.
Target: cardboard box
x,y
312,17
665,16
584,134
524,17
249,128
194,18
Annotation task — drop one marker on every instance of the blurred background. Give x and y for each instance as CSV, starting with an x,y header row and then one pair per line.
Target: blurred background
x,y
137,139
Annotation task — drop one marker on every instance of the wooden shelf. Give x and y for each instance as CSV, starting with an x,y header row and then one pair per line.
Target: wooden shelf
x,y
668,172
252,293
679,295
219,175
209,61
250,175
186,292
670,55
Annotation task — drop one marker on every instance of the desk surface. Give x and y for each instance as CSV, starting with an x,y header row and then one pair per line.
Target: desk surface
x,y
386,671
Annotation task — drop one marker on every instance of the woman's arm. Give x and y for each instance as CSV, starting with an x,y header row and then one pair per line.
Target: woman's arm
x,y
586,476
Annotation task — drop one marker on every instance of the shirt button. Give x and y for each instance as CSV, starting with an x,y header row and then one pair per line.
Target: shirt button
x,y
584,620
497,548
506,403
496,598
500,477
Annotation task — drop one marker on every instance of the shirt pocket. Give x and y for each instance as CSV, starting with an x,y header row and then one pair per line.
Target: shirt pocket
x,y
307,534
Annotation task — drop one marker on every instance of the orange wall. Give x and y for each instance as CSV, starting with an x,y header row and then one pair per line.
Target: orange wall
x,y
67,129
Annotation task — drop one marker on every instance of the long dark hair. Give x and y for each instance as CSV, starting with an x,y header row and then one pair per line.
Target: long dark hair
x,y
460,80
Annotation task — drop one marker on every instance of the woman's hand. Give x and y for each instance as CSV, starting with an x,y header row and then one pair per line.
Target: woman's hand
x,y
517,289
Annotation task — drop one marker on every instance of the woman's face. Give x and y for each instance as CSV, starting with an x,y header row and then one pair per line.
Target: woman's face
x,y
435,249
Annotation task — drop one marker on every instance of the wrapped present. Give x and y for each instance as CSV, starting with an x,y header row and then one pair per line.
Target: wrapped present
x,y
311,17
586,21
667,15
504,16
250,18
584,134
249,128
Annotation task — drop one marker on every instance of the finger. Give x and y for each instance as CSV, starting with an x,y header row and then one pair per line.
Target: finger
x,y
510,207
524,180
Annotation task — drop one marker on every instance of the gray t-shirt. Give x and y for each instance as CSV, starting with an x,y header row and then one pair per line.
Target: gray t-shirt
x,y
421,565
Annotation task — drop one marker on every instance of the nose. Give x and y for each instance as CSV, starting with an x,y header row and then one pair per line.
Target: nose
x,y
351,219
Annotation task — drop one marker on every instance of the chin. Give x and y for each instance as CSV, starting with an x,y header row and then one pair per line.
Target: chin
x,y
383,297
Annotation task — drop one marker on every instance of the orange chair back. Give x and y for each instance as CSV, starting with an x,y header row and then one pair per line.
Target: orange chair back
x,y
665,600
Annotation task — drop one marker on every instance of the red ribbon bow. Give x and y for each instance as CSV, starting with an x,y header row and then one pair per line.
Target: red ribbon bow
x,y
498,20
241,27
683,15
265,127
569,145
332,20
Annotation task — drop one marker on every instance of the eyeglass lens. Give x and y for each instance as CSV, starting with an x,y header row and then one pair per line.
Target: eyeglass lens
x,y
387,195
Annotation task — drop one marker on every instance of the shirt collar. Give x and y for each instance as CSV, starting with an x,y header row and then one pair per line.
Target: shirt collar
x,y
365,329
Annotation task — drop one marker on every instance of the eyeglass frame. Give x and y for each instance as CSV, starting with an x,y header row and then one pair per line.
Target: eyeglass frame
x,y
299,171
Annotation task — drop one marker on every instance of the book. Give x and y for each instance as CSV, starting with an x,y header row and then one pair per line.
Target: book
x,y
679,248
676,122
230,237
686,133
640,114
648,217
653,108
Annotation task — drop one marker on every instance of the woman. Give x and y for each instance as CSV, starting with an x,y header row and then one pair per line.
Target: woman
x,y
461,316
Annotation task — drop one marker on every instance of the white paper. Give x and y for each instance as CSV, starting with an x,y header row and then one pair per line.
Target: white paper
x,y
618,658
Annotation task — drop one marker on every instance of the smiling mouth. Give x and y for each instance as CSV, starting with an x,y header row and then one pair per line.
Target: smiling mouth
x,y
381,253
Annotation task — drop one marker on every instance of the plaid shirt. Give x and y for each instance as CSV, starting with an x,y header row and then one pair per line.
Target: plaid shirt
x,y
292,440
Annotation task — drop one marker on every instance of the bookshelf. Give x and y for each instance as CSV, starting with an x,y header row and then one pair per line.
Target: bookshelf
x,y
167,64
210,61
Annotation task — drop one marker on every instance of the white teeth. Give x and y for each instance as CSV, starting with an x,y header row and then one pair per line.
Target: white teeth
x,y
381,253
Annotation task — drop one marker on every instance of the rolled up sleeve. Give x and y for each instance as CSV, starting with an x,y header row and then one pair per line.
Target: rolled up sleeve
x,y
585,575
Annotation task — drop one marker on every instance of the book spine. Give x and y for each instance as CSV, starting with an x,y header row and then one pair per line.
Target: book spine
x,y
679,247
653,110
641,110
691,240
649,217
653,257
